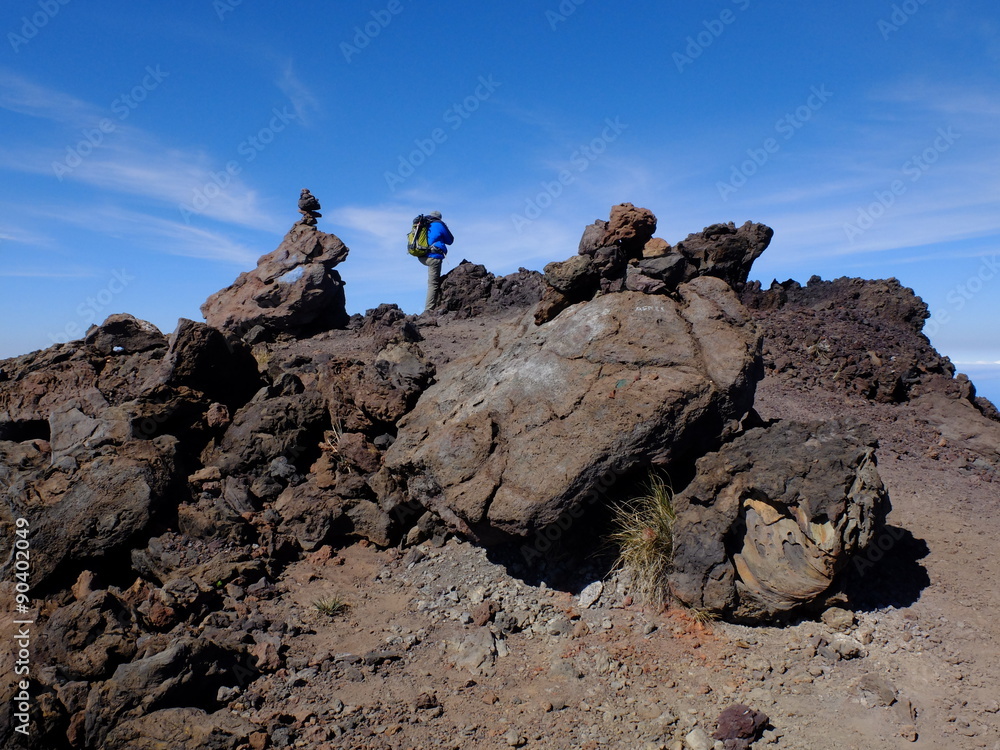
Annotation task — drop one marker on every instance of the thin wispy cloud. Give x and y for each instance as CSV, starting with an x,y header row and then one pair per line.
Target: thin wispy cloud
x,y
136,164
21,236
130,161
304,102
163,235
24,97
46,274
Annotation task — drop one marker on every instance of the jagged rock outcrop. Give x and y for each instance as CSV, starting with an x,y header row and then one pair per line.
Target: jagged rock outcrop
x,y
863,334
866,337
622,382
469,290
772,518
96,456
123,333
293,289
623,254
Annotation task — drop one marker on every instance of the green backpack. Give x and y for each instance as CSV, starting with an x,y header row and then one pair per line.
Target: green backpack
x,y
416,240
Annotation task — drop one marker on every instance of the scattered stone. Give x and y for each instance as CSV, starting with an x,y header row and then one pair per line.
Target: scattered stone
x,y
739,726
590,595
698,739
839,619
484,612
882,691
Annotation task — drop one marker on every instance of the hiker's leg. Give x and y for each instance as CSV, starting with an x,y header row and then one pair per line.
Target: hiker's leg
x,y
433,282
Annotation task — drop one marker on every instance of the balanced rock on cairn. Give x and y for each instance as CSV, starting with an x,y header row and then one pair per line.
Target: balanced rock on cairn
x,y
309,208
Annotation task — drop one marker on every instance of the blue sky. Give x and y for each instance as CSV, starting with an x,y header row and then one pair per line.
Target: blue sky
x,y
151,152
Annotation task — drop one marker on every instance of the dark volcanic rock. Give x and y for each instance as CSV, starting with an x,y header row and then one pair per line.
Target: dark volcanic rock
x,y
293,288
469,290
124,334
92,505
89,638
201,359
621,254
267,429
864,335
188,672
772,518
181,729
739,726
726,252
618,383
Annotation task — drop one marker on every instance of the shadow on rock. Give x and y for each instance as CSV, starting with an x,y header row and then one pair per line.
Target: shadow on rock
x,y
888,573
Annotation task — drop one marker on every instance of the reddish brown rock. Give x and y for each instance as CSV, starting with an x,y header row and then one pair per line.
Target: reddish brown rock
x,y
293,288
630,227
655,248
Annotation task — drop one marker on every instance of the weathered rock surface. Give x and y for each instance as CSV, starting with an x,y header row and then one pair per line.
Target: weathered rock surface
x,y
772,518
90,637
739,726
91,506
181,729
619,383
726,252
190,670
293,288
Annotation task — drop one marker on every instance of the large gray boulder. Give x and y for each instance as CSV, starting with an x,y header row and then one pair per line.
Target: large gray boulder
x,y
772,518
512,437
293,288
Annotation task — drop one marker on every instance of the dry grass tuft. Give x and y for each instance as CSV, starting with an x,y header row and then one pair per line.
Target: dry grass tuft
x,y
644,537
331,606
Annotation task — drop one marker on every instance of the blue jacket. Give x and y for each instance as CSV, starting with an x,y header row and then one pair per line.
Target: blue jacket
x,y
438,235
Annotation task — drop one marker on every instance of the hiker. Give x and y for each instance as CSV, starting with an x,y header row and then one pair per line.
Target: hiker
x,y
437,238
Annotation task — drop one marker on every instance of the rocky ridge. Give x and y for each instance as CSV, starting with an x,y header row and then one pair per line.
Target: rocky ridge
x,y
184,487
